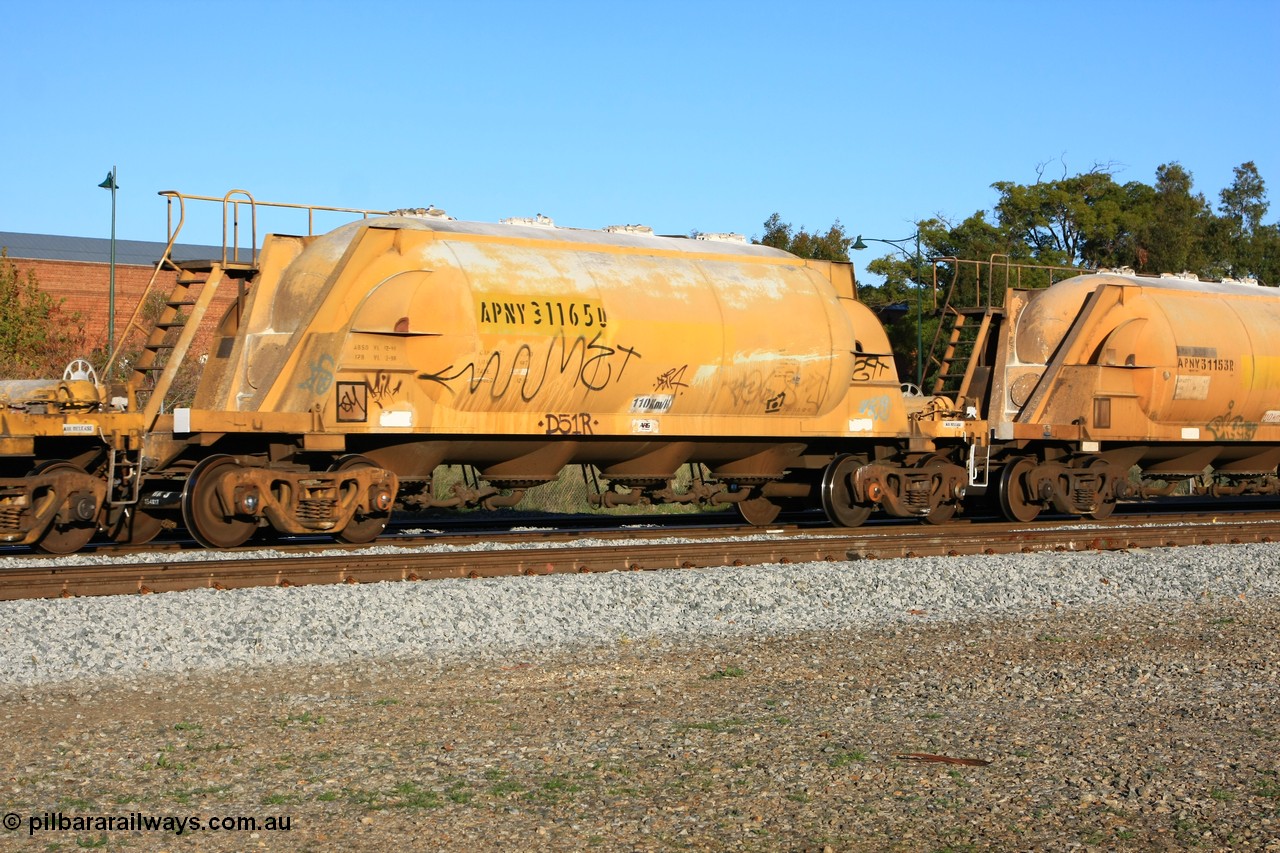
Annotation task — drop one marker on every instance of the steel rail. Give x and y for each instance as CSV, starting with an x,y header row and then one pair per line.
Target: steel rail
x,y
629,553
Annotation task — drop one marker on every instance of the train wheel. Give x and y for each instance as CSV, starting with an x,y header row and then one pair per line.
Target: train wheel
x,y
136,527
943,511
941,514
1107,499
202,511
838,496
1013,500
67,537
758,511
361,528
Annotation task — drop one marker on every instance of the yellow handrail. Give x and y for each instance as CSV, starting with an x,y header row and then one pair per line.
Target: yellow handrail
x,y
231,203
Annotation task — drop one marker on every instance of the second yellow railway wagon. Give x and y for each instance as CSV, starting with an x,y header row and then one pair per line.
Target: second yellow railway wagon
x,y
1104,372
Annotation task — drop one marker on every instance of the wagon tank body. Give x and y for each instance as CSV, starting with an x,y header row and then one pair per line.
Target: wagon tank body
x,y
518,349
1171,374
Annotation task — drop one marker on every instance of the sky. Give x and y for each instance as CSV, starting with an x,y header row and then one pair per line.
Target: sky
x,y
684,116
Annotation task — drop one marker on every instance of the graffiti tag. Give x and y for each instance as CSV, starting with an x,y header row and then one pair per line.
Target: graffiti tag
x,y
381,389
671,380
353,402
869,367
876,408
321,378
1229,427
586,362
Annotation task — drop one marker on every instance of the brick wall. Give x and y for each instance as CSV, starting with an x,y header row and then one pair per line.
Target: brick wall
x,y
84,289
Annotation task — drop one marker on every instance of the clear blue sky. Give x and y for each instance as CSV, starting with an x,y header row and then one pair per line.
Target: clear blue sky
x,y
684,116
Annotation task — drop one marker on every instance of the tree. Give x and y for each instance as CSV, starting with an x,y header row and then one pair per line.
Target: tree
x,y
37,339
1244,243
1089,220
1171,235
831,246
1057,218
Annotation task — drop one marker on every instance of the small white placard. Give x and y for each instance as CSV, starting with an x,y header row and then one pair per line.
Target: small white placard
x,y
1191,388
78,429
644,426
1192,433
861,425
182,420
396,419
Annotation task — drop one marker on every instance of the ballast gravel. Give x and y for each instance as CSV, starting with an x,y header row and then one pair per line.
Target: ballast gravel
x,y
1072,701
45,641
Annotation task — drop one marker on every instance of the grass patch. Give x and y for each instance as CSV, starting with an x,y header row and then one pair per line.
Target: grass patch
x,y
506,788
279,799
844,759
406,795
728,672
165,762
306,718
185,796
1268,788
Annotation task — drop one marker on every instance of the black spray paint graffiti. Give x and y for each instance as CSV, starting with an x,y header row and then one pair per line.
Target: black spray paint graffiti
x,y
381,389
353,397
353,402
671,380
587,362
869,367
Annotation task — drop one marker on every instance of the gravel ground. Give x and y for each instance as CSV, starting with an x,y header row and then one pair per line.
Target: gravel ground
x,y
1122,701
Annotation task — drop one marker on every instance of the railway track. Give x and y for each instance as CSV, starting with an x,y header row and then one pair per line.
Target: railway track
x,y
551,552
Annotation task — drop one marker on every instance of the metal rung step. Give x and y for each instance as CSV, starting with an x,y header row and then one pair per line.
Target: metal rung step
x,y
182,303
174,324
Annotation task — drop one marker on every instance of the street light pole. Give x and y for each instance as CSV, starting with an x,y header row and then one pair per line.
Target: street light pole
x,y
110,184
859,244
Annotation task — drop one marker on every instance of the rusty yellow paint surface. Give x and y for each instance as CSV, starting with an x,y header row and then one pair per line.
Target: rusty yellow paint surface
x,y
405,326
1124,357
